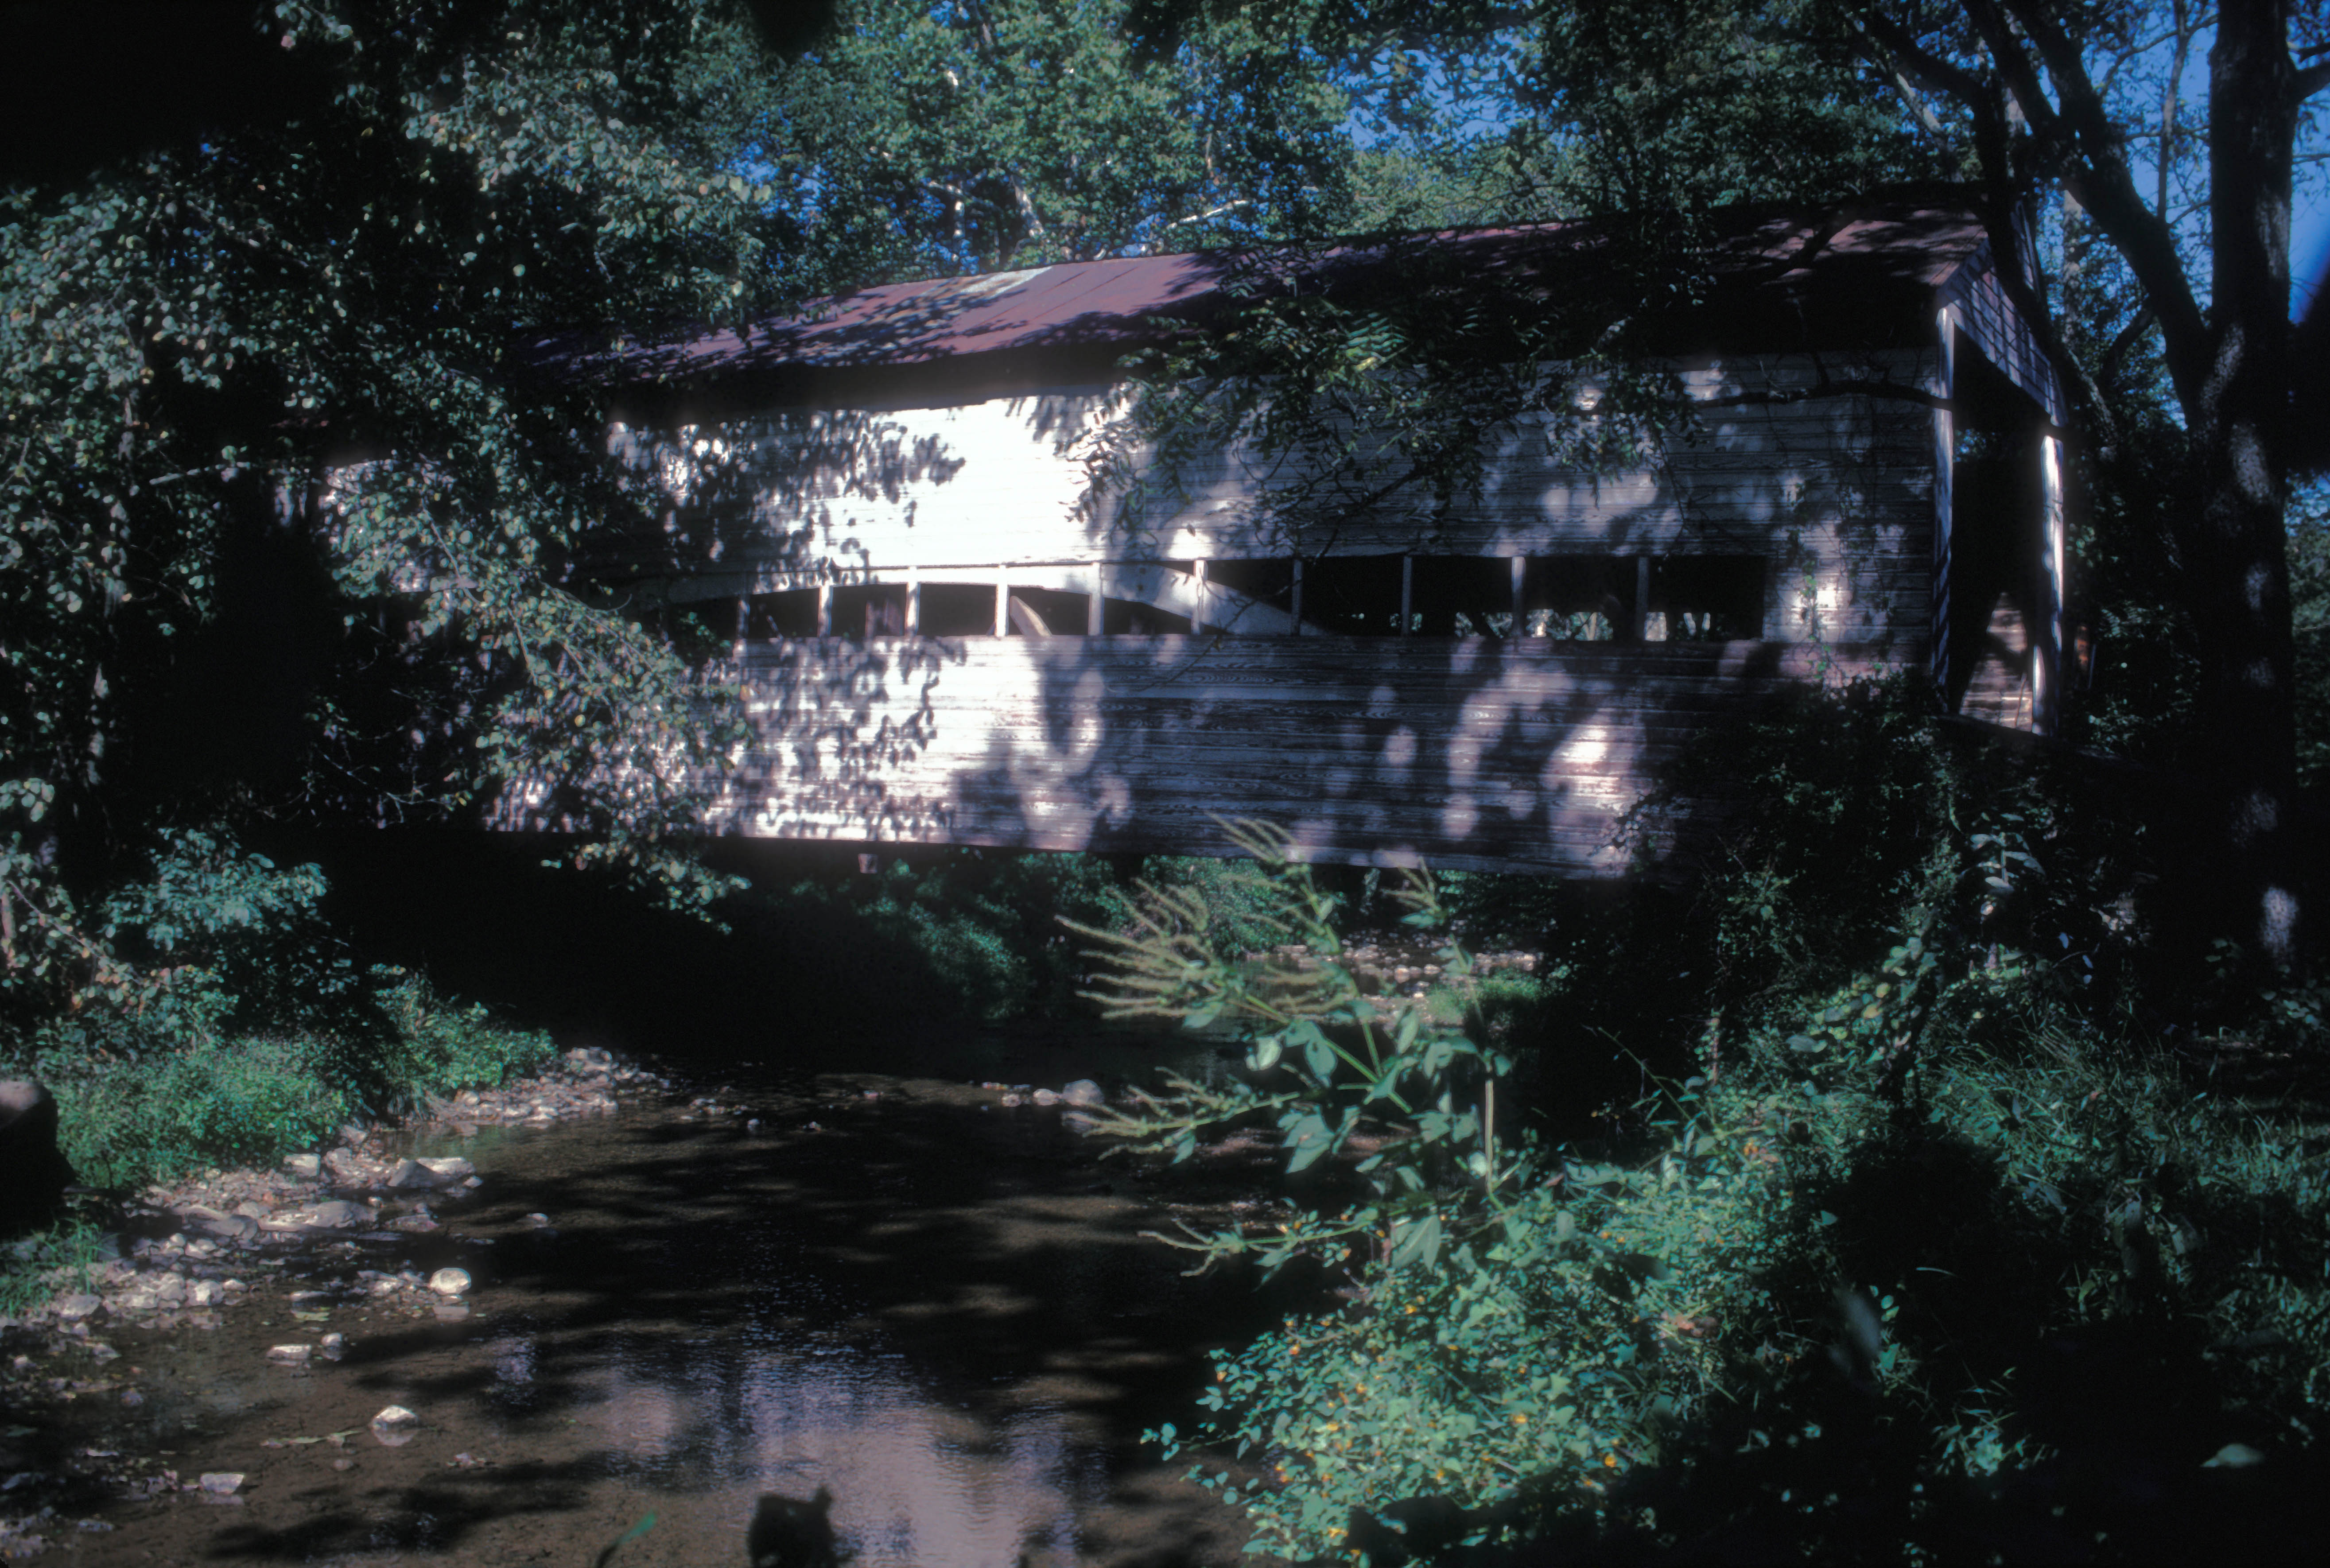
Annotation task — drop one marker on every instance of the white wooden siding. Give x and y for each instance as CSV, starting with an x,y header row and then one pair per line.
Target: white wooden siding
x,y
1516,755
1836,491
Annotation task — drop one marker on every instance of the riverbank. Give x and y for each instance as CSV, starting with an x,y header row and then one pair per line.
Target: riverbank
x,y
186,1255
938,1305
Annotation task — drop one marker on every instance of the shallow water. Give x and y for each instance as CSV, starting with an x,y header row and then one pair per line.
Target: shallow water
x,y
939,1310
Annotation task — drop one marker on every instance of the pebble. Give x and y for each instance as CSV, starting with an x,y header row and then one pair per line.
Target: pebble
x,y
395,1415
289,1355
79,1306
221,1483
1048,1097
307,1167
450,1282
1083,1092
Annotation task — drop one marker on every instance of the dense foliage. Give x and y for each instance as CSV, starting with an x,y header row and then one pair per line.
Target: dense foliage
x,y
1926,1231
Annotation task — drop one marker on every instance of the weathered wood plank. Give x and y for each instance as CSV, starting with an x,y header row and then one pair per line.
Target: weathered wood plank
x,y
1480,753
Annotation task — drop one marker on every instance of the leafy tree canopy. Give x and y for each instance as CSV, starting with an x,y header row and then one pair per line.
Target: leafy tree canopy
x,y
222,298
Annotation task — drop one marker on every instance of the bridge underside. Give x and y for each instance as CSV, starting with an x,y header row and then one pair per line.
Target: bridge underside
x,y
1494,754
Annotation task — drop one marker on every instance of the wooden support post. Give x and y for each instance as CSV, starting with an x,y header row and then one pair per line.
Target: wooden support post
x,y
743,620
1003,601
1520,613
825,610
1094,603
2047,635
1641,615
1297,606
1946,449
1406,593
913,601
1201,608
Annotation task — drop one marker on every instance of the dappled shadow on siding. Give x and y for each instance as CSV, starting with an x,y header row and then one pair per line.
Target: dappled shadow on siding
x,y
1508,754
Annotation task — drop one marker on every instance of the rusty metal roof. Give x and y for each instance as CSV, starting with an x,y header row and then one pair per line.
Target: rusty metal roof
x,y
1768,268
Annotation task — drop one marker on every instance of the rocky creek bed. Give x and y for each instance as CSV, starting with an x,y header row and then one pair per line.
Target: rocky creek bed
x,y
514,1333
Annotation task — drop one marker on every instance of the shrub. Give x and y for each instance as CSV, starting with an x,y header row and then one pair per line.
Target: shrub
x,y
435,1047
1936,1250
139,1105
129,1119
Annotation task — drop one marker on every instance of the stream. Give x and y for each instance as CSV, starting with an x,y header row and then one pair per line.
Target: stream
x,y
936,1308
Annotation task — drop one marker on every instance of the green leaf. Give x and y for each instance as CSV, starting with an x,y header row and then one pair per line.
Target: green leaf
x,y
1416,1243
1305,1141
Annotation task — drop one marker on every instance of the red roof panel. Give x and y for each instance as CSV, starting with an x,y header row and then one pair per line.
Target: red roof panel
x,y
1882,256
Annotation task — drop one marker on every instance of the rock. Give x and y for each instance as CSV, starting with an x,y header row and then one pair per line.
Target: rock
x,y
221,1483
589,1061
395,1415
230,1227
289,1355
1083,1092
537,1219
33,1173
1008,1099
395,1426
450,1282
448,1170
1048,1097
78,1308
205,1293
334,1345
338,1215
306,1166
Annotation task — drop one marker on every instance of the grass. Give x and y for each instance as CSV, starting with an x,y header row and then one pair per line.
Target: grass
x,y
58,1257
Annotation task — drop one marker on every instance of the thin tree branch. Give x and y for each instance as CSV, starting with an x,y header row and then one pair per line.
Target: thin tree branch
x,y
2100,177
2126,338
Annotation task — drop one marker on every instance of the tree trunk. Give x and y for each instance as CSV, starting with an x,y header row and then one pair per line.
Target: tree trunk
x,y
2235,543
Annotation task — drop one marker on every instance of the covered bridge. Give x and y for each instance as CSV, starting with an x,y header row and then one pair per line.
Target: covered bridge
x,y
949,634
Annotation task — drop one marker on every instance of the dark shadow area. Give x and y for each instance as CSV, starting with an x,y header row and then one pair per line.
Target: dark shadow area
x,y
487,919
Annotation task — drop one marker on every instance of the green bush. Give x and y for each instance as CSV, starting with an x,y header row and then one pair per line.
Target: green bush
x,y
139,1106
437,1047
1238,907
1935,1254
128,1121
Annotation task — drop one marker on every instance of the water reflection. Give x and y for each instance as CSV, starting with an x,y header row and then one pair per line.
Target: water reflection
x,y
941,1313
914,1481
